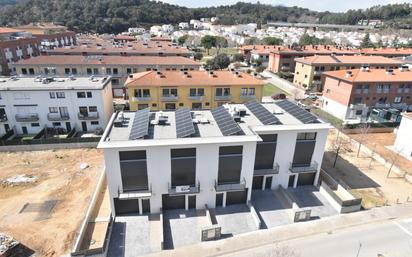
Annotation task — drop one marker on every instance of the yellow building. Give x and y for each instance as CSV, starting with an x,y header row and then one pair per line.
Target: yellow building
x,y
169,90
309,69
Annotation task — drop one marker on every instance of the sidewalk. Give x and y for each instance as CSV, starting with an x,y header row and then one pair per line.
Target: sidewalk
x,y
288,232
284,84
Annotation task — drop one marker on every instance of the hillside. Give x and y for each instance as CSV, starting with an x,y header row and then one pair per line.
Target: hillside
x,y
7,2
117,15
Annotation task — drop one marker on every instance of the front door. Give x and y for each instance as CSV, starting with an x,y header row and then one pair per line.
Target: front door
x,y
257,182
291,180
219,200
268,184
7,127
84,126
24,129
192,202
68,126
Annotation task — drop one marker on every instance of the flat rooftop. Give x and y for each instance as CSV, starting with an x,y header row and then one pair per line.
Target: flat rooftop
x,y
208,127
77,83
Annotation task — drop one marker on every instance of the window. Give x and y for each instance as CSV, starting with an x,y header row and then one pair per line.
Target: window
x,y
357,100
92,108
183,164
89,71
251,91
379,89
52,94
142,93
94,123
56,124
358,89
169,92
305,145
407,89
230,164
265,152
358,112
108,71
133,170
35,124
115,82
31,71
60,95
115,71
129,70
89,94
81,95
222,91
366,89
67,71
95,71
306,136
243,91
24,71
400,89
74,71
386,89
53,110
196,106
397,99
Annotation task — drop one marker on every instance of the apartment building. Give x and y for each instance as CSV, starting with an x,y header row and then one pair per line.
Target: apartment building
x,y
118,67
352,95
27,105
21,45
308,70
188,159
170,90
255,52
387,52
403,142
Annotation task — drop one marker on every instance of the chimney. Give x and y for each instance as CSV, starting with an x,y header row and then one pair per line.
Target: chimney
x,y
389,72
211,74
404,68
131,76
348,74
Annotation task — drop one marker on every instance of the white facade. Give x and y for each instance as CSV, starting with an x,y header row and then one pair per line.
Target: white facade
x,y
353,113
28,105
208,144
403,142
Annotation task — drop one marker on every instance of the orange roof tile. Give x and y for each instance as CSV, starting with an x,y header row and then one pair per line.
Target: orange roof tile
x,y
347,60
372,75
5,30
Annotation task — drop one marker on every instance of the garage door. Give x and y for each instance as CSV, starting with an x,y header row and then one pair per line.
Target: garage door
x,y
238,197
126,206
257,182
306,179
173,202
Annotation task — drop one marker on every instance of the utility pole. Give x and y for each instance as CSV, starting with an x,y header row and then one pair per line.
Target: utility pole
x,y
360,246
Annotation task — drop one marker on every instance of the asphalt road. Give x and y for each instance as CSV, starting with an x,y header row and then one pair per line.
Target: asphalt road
x,y
392,238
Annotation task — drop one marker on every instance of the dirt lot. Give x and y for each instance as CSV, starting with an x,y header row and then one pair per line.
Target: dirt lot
x,y
59,177
366,178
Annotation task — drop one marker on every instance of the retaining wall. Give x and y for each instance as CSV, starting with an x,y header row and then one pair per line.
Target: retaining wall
x,y
41,147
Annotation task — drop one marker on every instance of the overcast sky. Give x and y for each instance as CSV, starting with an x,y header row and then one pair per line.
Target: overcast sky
x,y
318,5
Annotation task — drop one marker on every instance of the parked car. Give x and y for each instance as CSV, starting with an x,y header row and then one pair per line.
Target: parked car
x,y
278,96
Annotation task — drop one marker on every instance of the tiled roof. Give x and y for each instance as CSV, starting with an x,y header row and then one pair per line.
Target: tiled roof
x,y
372,75
347,59
5,30
387,51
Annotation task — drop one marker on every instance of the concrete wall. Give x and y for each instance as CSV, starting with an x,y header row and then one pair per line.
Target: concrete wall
x,y
403,142
18,148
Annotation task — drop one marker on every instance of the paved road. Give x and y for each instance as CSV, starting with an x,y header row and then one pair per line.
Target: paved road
x,y
392,238
283,84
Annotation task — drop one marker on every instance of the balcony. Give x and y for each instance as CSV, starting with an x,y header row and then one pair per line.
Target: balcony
x,y
382,105
88,116
222,97
141,98
239,186
196,97
262,172
317,72
182,190
135,194
169,98
27,117
3,118
285,68
299,168
248,97
57,117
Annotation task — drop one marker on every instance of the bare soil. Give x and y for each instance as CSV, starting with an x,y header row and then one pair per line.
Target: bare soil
x,y
59,178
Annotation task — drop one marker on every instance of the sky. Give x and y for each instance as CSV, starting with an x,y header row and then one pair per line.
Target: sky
x,y
317,5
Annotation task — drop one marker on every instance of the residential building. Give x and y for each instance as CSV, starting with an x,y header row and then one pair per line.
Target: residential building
x,y
387,52
255,52
170,90
118,67
352,95
189,159
309,69
27,105
403,142
20,45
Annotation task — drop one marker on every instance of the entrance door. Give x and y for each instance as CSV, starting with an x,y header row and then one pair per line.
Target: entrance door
x,y
268,184
24,129
257,182
306,179
84,126
173,202
68,126
146,205
291,180
238,197
7,127
192,202
126,206
219,200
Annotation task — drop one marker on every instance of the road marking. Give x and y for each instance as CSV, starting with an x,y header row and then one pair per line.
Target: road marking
x,y
402,228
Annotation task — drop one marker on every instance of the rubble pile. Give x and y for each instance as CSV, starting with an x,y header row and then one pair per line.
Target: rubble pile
x,y
6,243
17,180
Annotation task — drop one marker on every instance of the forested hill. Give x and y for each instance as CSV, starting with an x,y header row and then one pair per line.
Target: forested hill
x,y
117,15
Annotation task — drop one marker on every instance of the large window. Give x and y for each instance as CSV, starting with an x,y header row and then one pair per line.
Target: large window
x,y
142,92
305,145
169,92
183,166
133,170
230,164
223,91
265,152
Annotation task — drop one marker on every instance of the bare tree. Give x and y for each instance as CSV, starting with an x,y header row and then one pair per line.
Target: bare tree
x,y
364,136
278,251
337,145
393,159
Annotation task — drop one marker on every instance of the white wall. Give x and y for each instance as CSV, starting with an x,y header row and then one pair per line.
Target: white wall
x,y
334,108
403,142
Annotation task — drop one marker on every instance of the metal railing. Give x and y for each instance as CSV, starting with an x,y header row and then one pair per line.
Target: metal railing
x,y
88,116
27,117
222,97
261,172
247,96
234,186
135,193
57,117
299,168
196,97
141,98
192,189
169,98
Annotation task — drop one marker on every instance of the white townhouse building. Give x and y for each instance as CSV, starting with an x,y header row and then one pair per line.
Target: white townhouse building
x,y
188,159
28,105
403,142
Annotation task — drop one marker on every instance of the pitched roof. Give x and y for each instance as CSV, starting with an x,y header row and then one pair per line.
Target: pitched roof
x,y
193,78
371,75
387,51
5,30
347,59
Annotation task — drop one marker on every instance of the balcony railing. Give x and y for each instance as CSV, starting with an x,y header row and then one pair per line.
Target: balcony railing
x,y
299,168
141,98
88,116
196,97
222,97
3,118
181,190
136,193
249,97
27,117
285,68
168,98
261,172
57,117
236,186
317,72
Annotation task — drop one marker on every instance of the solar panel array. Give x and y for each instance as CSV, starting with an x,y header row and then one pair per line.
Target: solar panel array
x,y
297,112
140,126
262,113
184,123
225,121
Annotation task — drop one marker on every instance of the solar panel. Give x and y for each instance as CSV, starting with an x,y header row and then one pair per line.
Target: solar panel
x,y
225,121
262,113
184,123
297,112
140,126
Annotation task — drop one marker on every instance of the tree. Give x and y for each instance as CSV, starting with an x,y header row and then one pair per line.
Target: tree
x,y
208,42
364,136
198,56
238,58
366,42
306,39
182,40
252,41
220,61
272,41
220,42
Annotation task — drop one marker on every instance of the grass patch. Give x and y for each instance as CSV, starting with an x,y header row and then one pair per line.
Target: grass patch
x,y
228,51
337,123
270,89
